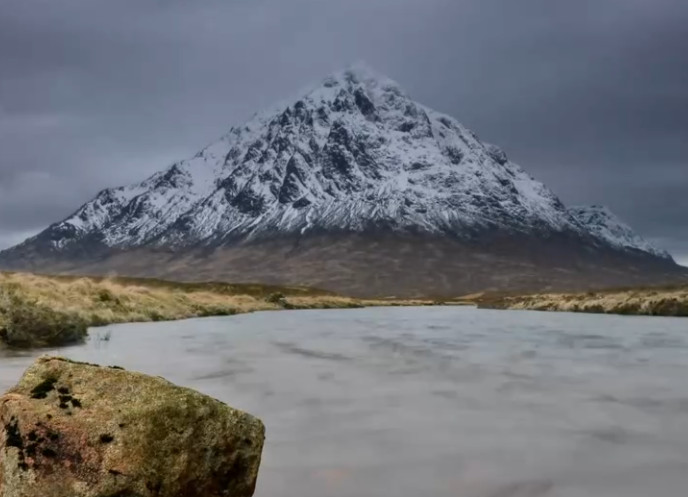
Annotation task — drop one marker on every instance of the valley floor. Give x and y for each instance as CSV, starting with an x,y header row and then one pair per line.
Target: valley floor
x,y
37,310
649,301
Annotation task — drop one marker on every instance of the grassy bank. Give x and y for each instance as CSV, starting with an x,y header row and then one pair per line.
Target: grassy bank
x,y
651,301
40,310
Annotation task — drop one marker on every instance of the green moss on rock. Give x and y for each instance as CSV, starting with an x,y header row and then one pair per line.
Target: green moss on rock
x,y
130,434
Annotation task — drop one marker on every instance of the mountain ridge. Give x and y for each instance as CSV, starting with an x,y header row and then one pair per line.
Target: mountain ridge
x,y
353,155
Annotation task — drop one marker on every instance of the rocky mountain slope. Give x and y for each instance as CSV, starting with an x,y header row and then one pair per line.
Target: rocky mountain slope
x,y
353,159
609,229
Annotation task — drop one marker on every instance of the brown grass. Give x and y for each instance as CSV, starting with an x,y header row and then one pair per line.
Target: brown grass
x,y
31,305
648,301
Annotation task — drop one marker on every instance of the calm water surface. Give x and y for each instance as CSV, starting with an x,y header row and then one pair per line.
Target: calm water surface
x,y
434,401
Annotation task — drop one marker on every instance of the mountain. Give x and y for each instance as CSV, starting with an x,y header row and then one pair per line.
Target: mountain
x,y
352,186
609,229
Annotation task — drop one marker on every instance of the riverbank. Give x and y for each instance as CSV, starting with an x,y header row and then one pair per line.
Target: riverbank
x,y
38,310
650,301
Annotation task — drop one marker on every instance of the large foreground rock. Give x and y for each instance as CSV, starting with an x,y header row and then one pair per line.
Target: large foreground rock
x,y
72,429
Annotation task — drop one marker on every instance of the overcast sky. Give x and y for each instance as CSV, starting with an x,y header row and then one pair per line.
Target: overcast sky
x,y
589,96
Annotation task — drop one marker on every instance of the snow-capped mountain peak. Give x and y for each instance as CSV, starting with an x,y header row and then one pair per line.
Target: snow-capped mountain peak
x,y
354,153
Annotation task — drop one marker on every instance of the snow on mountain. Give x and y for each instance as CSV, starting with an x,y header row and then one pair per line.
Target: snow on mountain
x,y
352,154
608,228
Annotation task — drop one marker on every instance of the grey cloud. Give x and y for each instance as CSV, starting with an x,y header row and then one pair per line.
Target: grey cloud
x,y
589,96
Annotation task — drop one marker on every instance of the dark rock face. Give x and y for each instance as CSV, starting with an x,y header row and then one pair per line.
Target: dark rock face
x,y
363,103
497,154
248,202
77,430
293,187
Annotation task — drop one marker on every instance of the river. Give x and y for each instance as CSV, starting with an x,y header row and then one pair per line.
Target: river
x,y
437,401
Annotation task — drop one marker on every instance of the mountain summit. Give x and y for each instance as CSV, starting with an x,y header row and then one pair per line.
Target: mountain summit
x,y
351,182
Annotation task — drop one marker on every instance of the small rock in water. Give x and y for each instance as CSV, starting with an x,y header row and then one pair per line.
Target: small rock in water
x,y
121,433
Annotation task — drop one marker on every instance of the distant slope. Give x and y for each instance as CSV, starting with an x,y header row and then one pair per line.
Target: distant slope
x,y
390,264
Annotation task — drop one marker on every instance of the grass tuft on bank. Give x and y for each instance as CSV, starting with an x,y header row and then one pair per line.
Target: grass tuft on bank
x,y
47,311
649,301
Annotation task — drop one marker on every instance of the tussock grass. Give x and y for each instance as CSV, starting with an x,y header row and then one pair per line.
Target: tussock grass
x,y
650,301
38,310
27,323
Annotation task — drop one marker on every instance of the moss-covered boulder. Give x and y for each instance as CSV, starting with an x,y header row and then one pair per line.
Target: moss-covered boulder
x,y
71,429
